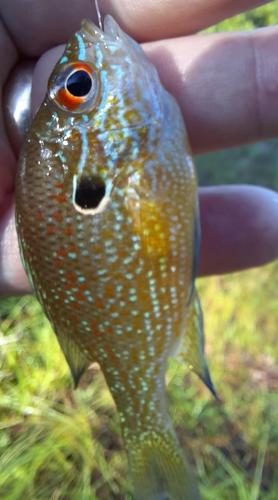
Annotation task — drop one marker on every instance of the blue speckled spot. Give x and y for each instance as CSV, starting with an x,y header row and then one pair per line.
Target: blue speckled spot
x,y
81,279
64,60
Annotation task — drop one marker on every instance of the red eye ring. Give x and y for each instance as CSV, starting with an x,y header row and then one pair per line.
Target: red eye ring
x,y
75,87
67,100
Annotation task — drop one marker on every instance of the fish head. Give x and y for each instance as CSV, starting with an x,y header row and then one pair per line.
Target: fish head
x,y
104,106
106,75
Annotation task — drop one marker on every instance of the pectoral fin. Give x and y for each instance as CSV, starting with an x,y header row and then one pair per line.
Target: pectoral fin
x,y
193,348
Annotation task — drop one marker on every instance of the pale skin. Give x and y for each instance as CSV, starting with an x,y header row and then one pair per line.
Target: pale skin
x,y
227,88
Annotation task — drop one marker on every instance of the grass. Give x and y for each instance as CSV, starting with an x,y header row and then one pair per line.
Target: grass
x,y
60,443
255,164
57,443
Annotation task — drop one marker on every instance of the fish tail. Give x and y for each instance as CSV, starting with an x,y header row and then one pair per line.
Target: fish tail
x,y
159,469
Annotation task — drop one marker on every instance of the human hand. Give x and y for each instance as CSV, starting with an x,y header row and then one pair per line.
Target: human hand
x,y
226,85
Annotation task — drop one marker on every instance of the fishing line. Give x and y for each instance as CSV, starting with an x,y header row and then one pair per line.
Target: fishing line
x,y
98,13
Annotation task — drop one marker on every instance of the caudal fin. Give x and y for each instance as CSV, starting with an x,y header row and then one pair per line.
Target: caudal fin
x,y
159,469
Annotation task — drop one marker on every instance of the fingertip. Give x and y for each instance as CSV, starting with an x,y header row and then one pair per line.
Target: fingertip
x,y
239,228
13,280
42,72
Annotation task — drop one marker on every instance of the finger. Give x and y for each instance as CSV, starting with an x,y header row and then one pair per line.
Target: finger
x,y
13,280
51,22
226,84
17,103
7,161
157,19
239,228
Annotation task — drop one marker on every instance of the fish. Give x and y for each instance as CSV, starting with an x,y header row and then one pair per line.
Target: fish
x,y
109,232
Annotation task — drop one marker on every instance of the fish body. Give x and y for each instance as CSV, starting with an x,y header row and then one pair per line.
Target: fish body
x,y
106,210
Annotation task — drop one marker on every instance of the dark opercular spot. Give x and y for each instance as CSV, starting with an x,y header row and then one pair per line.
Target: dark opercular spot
x,y
79,83
89,192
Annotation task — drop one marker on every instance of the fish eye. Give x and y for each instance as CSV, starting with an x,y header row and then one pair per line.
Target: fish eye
x,y
79,83
75,87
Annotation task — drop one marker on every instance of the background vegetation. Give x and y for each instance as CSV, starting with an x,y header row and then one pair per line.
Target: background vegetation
x,y
56,443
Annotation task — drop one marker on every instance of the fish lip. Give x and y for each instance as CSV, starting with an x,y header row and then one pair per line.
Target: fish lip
x,y
91,29
111,31
111,28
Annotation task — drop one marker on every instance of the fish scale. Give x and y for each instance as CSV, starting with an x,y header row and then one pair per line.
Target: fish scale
x,y
106,209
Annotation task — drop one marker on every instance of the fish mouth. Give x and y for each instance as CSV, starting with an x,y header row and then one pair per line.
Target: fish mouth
x,y
111,28
111,32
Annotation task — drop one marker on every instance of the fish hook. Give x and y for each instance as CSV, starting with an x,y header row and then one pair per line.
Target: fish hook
x,y
98,13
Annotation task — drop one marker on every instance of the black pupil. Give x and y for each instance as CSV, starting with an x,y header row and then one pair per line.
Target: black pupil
x,y
79,83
